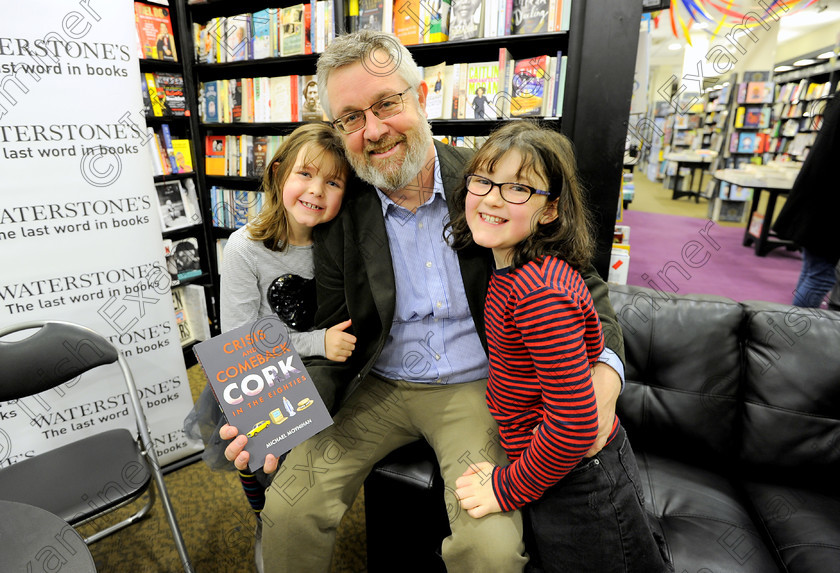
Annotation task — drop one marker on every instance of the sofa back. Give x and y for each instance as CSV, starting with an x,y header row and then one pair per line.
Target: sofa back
x,y
683,366
791,391
711,380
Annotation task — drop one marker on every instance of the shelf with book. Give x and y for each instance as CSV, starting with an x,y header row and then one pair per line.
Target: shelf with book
x,y
168,107
798,112
582,48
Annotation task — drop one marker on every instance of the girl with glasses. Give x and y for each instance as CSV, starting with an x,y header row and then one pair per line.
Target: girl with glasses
x,y
522,200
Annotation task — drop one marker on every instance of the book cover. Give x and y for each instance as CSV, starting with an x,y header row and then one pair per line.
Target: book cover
x,y
529,17
281,98
759,92
184,333
407,21
166,137
173,213
371,15
154,151
747,142
261,41
191,206
752,117
528,86
309,103
435,15
185,256
235,100
155,96
434,78
482,87
171,92
238,38
154,32
210,104
147,100
292,41
214,155
183,155
263,387
466,19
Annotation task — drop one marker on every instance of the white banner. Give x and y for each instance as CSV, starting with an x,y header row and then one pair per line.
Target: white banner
x,y
80,236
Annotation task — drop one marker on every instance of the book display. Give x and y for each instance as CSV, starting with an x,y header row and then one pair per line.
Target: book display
x,y
171,144
749,138
797,115
253,83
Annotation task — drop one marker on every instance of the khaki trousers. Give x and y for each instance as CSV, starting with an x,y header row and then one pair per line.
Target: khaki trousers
x,y
320,478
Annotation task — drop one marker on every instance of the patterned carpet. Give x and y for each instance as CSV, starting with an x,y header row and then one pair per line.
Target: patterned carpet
x,y
216,522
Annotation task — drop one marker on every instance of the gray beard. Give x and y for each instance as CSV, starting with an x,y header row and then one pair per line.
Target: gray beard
x,y
399,177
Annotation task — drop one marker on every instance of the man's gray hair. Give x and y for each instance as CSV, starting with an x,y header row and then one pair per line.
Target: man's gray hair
x,y
380,53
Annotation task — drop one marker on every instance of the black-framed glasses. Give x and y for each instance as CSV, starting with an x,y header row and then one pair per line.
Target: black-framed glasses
x,y
515,193
382,109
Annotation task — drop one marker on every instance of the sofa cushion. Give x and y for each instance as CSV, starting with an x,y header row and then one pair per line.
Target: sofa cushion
x,y
804,525
791,385
683,363
703,517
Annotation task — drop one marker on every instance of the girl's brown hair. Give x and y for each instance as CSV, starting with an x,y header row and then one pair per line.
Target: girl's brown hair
x,y
549,155
318,140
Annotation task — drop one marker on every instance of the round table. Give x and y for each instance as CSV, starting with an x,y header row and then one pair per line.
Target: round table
x,y
33,539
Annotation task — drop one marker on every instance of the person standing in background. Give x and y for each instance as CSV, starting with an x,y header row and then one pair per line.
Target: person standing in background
x,y
809,217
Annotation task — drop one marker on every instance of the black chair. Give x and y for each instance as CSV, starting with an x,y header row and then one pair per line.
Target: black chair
x,y
95,475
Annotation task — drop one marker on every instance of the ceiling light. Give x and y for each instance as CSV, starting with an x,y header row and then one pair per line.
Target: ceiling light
x,y
779,69
825,56
675,46
805,62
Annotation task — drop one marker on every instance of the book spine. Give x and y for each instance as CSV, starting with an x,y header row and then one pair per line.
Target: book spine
x,y
170,152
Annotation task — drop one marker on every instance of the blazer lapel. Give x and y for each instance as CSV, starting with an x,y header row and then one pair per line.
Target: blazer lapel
x,y
370,236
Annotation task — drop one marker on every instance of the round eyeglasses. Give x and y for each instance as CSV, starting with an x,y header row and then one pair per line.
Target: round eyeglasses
x,y
382,109
515,193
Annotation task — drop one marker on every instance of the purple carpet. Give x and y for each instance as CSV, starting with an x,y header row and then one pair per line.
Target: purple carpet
x,y
698,256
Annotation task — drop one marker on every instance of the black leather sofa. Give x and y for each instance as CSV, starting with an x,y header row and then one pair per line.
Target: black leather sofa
x,y
733,410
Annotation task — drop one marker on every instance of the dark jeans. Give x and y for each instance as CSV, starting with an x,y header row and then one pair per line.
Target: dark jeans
x,y
594,519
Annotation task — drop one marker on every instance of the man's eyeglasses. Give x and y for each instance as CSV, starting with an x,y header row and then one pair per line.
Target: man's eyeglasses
x,y
515,193
383,109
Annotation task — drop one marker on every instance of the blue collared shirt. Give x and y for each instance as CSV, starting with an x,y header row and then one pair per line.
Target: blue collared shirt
x,y
433,337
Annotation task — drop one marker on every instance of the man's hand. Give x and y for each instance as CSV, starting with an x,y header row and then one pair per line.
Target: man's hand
x,y
235,451
607,385
475,490
339,345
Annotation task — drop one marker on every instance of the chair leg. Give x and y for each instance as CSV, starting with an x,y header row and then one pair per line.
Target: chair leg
x,y
140,514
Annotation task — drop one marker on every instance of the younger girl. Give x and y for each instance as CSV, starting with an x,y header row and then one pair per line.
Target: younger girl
x,y
267,267
522,200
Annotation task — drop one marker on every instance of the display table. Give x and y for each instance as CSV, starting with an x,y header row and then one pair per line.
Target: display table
x,y
772,181
33,539
693,161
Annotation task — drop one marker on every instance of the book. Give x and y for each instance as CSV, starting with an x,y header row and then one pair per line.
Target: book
x,y
309,103
284,98
154,32
183,155
214,155
408,22
186,259
747,142
261,41
482,86
759,92
173,213
170,90
292,39
434,78
263,387
435,16
529,16
166,140
466,19
528,86
210,104
155,96
375,15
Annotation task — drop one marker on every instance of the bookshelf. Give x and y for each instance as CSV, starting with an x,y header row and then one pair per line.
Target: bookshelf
x,y
594,110
171,108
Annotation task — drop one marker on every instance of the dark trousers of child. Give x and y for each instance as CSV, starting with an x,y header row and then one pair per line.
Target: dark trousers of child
x,y
594,519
